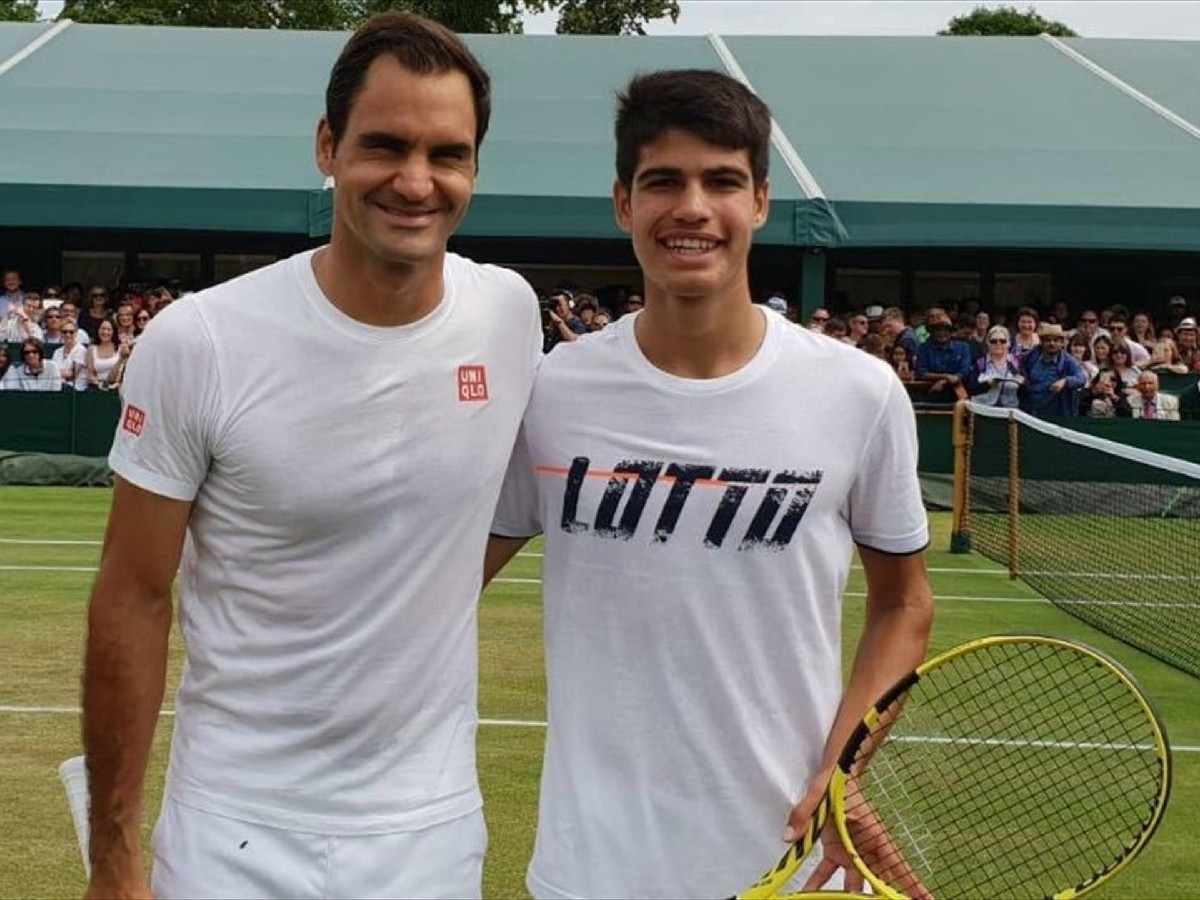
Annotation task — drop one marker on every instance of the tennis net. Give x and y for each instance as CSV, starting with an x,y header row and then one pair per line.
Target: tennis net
x,y
1108,532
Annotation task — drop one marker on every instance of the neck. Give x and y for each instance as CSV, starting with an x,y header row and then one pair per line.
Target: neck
x,y
700,337
375,292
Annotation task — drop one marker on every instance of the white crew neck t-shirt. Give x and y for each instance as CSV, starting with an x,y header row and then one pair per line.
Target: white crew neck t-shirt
x,y
343,478
698,540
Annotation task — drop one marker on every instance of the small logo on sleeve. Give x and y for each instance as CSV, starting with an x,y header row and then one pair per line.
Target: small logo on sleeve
x,y
134,420
472,384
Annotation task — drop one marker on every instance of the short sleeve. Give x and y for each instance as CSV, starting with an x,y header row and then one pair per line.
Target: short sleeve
x,y
518,510
886,511
170,404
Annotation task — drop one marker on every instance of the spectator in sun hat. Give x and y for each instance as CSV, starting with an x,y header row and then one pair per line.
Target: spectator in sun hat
x,y
1052,376
944,360
778,304
874,314
1186,342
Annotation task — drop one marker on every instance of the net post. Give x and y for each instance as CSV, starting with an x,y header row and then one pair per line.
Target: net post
x,y
1014,497
960,534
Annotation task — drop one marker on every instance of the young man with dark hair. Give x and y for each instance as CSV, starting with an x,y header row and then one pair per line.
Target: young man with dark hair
x,y
699,528
324,740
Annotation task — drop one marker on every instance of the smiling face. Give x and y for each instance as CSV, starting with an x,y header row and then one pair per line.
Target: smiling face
x,y
692,210
405,166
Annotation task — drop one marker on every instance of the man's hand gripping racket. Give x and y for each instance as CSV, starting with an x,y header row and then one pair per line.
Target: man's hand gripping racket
x,y
1015,766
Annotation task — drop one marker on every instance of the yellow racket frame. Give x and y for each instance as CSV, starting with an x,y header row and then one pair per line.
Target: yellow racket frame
x,y
834,801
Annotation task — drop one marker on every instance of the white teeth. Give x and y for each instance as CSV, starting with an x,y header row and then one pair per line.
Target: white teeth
x,y
690,245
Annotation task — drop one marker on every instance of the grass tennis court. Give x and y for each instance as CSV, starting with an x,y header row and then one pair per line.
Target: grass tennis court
x,y
43,596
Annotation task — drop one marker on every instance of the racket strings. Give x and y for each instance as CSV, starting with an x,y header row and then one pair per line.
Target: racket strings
x,y
1019,769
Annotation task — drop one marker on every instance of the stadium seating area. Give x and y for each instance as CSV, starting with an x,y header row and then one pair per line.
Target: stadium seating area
x,y
77,339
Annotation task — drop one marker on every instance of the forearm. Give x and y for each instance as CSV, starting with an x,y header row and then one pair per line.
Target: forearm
x,y
123,683
566,331
893,643
499,551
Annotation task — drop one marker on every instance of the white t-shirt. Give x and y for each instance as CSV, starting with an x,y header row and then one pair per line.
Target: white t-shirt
x,y
693,612
77,358
343,478
18,378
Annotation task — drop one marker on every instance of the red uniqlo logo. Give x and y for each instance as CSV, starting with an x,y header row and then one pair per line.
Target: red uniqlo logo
x,y
472,383
134,420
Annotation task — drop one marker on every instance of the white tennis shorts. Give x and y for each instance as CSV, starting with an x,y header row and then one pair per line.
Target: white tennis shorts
x,y
200,854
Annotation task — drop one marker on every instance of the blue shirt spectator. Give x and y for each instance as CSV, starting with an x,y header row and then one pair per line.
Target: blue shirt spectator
x,y
1052,376
941,355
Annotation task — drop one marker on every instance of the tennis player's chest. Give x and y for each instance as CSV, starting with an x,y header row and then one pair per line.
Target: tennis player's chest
x,y
729,489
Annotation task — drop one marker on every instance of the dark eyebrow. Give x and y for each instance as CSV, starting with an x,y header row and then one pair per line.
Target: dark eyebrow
x,y
660,172
727,172
382,140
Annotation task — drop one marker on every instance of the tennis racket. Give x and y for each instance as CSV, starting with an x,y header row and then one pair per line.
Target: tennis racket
x,y
1011,766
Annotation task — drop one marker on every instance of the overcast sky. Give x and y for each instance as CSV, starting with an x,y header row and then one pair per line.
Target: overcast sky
x,y
1091,18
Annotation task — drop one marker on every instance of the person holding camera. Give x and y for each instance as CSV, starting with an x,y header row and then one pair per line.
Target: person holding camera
x,y
559,322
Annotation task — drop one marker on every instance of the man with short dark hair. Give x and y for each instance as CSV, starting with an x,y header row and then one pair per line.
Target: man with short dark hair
x,y
699,525
32,372
817,320
13,297
894,326
1118,329
324,736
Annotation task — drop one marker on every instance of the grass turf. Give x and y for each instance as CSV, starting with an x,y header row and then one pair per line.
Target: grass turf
x,y
42,609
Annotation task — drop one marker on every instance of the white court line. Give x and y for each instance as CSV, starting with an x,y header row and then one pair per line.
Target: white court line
x,y
53,543
531,723
47,568
936,570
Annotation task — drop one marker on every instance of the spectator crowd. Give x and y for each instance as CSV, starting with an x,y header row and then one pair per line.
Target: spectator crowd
x,y
69,339
1102,363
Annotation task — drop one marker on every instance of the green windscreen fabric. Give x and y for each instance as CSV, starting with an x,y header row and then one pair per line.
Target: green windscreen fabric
x,y
1108,532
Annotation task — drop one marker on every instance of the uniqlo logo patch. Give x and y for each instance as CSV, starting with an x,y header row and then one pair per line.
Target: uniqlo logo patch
x,y
135,419
472,383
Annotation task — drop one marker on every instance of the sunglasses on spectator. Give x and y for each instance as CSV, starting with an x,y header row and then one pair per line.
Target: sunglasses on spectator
x,y
1089,320
52,315
820,318
33,350
68,331
997,341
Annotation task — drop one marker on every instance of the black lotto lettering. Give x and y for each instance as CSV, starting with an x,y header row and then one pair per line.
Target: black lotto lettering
x,y
805,486
731,501
575,476
646,471
685,479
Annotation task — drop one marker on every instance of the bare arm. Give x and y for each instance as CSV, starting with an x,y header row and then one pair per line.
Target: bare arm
x,y
499,551
129,622
893,642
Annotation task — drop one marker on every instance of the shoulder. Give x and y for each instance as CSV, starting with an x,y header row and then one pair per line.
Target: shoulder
x,y
856,369
181,327
597,352
489,282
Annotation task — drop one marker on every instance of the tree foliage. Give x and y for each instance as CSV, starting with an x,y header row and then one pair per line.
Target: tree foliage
x,y
18,11
611,16
465,16
1005,20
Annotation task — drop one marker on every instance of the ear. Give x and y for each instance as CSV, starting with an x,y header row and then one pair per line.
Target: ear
x,y
623,206
324,147
762,204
